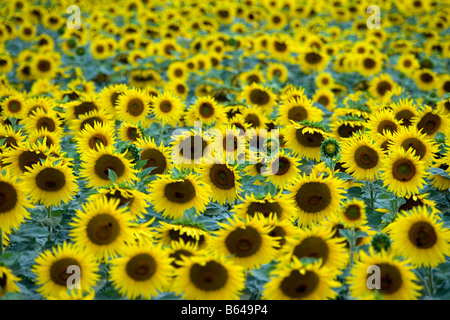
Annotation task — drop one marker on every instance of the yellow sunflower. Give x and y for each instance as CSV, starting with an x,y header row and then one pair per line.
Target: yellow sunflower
x,y
282,170
167,108
223,180
54,268
402,172
396,279
316,197
97,165
50,184
295,281
382,86
92,136
246,243
209,277
206,110
102,228
361,157
8,281
133,105
352,213
260,96
430,121
156,156
419,236
142,271
184,231
404,111
305,139
298,109
41,119
172,196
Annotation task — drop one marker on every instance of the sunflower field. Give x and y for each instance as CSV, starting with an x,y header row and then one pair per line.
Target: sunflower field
x,y
225,150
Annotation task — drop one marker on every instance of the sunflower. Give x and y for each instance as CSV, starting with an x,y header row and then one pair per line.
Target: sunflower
x,y
352,213
44,65
305,139
178,87
318,243
6,63
369,64
404,110
177,71
298,109
109,97
13,106
40,102
97,165
418,235
443,86
397,280
246,243
102,228
99,48
158,157
92,136
403,173
410,138
316,197
425,79
8,281
407,63
172,196
344,129
282,231
230,145
260,96
133,105
130,131
54,268
206,110
361,157
430,121
74,295
209,277
252,76
280,206
295,281
134,200
282,170
277,71
21,158
82,106
50,184
144,270
326,98
280,47
167,108
440,182
185,231
313,60
12,138
383,120
180,250
191,148
223,180
382,86
254,118
41,119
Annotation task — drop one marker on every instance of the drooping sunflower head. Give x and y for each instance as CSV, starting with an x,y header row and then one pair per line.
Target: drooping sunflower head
x,y
183,231
305,139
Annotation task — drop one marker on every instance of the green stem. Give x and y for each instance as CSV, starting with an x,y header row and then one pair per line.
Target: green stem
x,y
431,281
372,198
49,216
352,246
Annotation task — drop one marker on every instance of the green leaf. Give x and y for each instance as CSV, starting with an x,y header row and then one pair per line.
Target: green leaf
x,y
112,175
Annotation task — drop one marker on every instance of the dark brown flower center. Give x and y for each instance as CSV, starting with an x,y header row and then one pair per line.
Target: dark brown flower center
x,y
259,97
307,139
346,130
390,278
210,277
313,58
29,158
312,247
369,63
50,179
406,116
84,107
426,77
180,191
103,229
297,113
430,123
366,157
155,158
97,139
135,107
387,125
280,233
175,235
298,285
58,270
313,197
141,267
195,144
265,208
108,162
44,65
353,212
415,144
422,235
383,87
47,123
243,242
178,256
283,164
403,170
8,197
206,110
222,177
